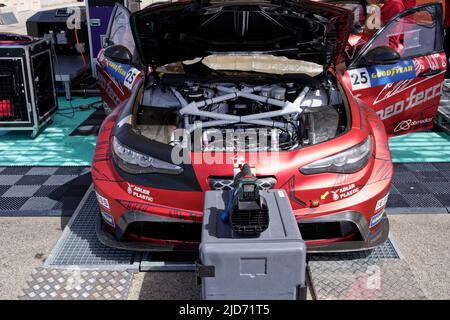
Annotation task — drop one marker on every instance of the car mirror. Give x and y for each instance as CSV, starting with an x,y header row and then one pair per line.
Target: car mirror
x,y
119,53
382,55
106,43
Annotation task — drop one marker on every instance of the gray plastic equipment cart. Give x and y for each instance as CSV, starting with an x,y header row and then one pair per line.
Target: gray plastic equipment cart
x,y
270,266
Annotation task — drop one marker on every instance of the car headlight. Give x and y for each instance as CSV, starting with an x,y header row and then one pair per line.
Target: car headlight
x,y
349,161
137,163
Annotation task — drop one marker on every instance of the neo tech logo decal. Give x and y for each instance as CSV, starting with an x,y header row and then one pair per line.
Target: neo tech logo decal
x,y
415,99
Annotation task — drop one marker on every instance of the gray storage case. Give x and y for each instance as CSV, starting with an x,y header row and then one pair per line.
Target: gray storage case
x,y
271,266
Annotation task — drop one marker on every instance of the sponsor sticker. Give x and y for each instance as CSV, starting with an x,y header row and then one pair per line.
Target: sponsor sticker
x,y
381,204
139,192
345,192
409,124
415,99
109,219
103,201
131,77
378,75
376,219
105,84
123,73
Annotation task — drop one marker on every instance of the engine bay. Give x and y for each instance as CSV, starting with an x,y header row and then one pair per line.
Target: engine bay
x,y
239,115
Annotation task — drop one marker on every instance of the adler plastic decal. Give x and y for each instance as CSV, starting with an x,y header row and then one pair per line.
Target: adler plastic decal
x,y
378,75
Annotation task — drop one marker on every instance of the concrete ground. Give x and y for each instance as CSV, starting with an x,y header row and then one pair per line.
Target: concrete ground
x,y
26,242
424,240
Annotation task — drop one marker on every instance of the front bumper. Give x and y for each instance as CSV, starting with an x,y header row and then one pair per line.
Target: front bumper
x,y
109,240
369,239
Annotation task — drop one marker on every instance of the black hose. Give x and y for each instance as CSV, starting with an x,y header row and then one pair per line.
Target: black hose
x,y
80,92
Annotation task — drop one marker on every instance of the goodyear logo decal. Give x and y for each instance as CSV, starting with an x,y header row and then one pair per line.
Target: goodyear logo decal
x,y
378,75
123,73
376,219
118,70
109,219
385,74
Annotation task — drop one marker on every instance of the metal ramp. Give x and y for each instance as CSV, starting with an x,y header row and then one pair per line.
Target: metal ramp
x,y
80,267
380,274
79,247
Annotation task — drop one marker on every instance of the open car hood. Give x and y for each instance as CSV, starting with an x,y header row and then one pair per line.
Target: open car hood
x,y
185,30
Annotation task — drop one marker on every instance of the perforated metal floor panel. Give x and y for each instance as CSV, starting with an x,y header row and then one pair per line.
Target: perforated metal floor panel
x,y
75,284
380,274
387,251
79,246
364,279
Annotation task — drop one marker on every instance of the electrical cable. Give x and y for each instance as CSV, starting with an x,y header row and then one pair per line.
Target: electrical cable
x,y
226,214
80,49
57,65
72,109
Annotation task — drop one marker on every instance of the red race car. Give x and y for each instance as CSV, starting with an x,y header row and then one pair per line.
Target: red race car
x,y
189,85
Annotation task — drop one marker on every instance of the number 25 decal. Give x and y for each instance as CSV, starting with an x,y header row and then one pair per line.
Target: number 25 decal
x,y
360,78
131,77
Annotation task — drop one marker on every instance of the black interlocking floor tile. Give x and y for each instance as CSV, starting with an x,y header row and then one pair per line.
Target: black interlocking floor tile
x,y
444,166
32,180
400,167
446,174
71,171
58,206
16,170
25,189
397,201
429,176
393,189
76,190
404,176
3,189
45,191
12,204
422,201
410,188
444,199
420,167
441,187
